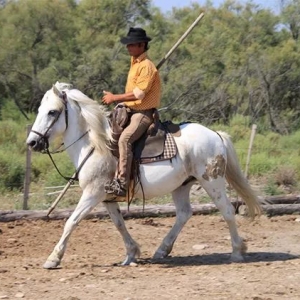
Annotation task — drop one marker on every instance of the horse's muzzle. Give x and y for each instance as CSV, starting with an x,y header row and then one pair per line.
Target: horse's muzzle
x,y
39,144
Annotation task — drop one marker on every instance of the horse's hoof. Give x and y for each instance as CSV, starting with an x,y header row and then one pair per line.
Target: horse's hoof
x,y
159,255
128,261
50,264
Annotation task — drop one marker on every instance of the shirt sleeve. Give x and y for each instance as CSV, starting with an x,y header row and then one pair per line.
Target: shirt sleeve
x,y
145,80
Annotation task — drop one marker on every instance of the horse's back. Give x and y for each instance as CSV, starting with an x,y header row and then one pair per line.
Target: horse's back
x,y
199,139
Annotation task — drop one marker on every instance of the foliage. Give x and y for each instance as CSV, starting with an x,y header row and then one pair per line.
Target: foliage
x,y
285,176
12,171
272,188
239,60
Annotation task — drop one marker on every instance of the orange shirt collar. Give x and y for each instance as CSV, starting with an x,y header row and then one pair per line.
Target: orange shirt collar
x,y
138,59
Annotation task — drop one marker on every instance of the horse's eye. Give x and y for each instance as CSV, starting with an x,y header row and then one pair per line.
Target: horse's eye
x,y
52,113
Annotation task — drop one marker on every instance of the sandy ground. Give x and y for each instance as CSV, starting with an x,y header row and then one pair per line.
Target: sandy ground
x,y
199,267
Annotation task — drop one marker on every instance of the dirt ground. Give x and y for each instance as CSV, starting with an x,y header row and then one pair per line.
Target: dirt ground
x,y
198,268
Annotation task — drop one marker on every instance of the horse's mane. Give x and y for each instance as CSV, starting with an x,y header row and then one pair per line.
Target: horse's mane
x,y
94,114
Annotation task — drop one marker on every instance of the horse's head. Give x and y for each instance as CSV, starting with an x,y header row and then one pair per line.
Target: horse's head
x,y
52,118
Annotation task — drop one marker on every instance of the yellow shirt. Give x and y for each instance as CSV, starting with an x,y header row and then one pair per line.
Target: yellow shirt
x,y
144,81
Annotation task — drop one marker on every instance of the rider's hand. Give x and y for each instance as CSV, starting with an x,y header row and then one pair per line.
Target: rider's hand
x,y
108,97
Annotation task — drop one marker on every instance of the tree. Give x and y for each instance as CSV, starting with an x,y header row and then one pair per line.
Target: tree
x,y
103,64
36,50
291,16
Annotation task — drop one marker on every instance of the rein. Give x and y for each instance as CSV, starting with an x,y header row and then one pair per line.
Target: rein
x,y
75,176
62,150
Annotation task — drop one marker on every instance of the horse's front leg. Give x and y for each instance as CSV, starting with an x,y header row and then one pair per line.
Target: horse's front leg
x,y
86,204
132,248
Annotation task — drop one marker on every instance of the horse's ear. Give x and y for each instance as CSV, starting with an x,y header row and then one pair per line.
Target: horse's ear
x,y
56,91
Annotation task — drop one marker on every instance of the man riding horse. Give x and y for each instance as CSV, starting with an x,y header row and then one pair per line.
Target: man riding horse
x,y
142,96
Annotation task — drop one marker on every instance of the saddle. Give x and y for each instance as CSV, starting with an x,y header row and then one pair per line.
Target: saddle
x,y
156,144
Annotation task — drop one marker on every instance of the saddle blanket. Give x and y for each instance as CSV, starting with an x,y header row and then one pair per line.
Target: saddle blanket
x,y
169,151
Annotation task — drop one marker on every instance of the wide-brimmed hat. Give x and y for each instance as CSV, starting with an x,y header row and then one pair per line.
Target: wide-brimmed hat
x,y
134,36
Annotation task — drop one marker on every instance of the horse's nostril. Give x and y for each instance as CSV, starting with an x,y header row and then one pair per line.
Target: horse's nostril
x,y
31,144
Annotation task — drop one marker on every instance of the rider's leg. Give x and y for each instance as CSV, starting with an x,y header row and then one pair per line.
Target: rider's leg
x,y
139,123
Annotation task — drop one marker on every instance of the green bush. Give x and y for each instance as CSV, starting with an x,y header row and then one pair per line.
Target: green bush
x,y
271,188
10,112
12,172
8,132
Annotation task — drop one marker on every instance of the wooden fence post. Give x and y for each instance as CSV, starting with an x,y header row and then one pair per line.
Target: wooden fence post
x,y
250,148
27,173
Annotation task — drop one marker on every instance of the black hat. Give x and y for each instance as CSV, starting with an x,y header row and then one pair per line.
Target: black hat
x,y
134,36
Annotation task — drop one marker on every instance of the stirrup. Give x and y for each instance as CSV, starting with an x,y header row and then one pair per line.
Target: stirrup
x,y
114,198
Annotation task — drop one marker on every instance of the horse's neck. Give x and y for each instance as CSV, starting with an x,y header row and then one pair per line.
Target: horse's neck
x,y
76,141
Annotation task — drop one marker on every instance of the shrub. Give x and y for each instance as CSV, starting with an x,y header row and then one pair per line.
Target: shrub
x,y
271,188
12,174
285,176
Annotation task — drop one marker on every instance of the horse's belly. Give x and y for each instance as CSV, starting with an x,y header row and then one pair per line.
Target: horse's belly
x,y
161,178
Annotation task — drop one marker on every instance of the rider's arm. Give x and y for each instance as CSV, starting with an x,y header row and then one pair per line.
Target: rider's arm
x,y
109,98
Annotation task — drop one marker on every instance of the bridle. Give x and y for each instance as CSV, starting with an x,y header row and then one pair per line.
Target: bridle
x,y
44,137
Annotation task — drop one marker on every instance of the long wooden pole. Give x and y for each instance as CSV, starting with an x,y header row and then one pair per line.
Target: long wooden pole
x,y
180,40
70,182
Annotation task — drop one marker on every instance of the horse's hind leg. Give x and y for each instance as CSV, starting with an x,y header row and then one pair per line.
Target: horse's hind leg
x,y
84,206
132,248
183,213
216,190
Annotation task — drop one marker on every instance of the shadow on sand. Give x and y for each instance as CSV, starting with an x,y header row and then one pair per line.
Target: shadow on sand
x,y
220,259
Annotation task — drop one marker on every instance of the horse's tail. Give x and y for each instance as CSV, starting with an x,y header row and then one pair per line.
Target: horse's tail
x,y
237,180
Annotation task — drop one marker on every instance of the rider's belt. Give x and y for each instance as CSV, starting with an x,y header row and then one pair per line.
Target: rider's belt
x,y
133,111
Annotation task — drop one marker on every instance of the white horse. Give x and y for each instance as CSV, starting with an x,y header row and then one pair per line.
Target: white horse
x,y
203,155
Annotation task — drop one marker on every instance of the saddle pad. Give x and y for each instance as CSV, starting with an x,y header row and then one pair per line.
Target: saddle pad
x,y
170,150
